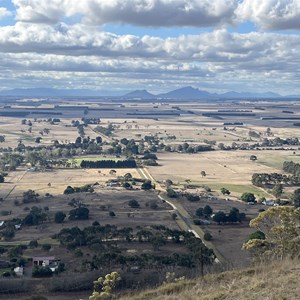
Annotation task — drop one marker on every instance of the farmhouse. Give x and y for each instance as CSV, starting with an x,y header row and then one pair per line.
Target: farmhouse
x,y
44,261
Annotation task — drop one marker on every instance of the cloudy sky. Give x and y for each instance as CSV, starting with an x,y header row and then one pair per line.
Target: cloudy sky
x,y
158,45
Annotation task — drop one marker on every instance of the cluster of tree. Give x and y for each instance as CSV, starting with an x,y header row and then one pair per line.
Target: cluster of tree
x,y
90,121
97,238
87,188
271,179
233,216
102,164
265,143
105,130
35,217
191,197
291,167
205,211
188,148
149,159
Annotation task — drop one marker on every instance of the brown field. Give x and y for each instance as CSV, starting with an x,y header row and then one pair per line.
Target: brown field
x,y
229,169
19,181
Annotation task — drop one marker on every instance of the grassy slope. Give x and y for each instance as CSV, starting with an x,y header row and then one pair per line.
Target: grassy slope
x,y
275,281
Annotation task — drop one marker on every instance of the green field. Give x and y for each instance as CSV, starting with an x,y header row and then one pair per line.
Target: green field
x,y
276,161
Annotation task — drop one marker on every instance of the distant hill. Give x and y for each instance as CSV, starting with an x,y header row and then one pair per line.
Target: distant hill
x,y
139,94
186,93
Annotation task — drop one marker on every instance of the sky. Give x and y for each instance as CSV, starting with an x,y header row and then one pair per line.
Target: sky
x,y
158,45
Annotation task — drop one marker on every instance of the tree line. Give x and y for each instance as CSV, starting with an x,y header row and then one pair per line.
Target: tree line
x,y
105,164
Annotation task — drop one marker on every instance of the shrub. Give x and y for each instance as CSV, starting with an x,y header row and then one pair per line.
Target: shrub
x,y
207,236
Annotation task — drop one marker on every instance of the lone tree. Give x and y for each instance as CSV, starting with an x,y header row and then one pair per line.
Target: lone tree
x,y
253,157
59,217
248,197
1,178
147,185
225,191
203,173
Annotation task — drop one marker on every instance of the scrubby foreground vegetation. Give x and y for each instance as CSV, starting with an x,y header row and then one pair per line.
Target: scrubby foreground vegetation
x,y
271,280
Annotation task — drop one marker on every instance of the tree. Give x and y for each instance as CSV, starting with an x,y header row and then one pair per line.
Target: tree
x,y
38,139
30,196
277,190
207,210
133,203
225,191
296,198
220,217
253,157
280,225
59,217
79,213
69,190
104,287
199,212
147,185
248,197
157,241
1,178
203,173
207,236
171,193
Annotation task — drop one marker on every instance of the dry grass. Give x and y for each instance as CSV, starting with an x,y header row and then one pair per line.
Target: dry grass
x,y
272,281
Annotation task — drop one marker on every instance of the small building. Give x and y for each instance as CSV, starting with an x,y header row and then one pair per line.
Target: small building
x,y
19,271
44,261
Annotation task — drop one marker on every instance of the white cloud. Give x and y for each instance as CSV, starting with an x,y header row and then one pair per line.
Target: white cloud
x,y
4,12
154,13
271,14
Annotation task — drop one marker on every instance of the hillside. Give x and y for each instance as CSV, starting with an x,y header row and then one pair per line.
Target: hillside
x,y
278,280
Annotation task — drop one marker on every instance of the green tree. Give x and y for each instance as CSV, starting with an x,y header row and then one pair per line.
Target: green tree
x,y
171,193
225,191
220,217
79,213
199,212
59,217
277,190
147,185
133,203
248,197
280,225
207,210
1,178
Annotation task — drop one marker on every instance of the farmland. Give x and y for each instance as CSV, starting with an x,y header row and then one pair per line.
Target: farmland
x,y
193,148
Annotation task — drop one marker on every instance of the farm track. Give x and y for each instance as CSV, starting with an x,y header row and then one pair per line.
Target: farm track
x,y
184,219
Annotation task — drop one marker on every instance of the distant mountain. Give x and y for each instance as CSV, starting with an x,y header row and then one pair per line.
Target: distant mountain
x,y
186,93
139,94
50,92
